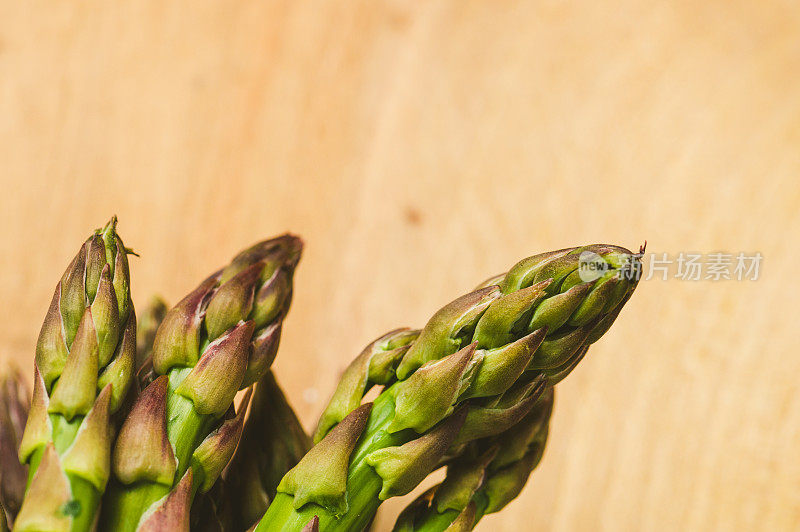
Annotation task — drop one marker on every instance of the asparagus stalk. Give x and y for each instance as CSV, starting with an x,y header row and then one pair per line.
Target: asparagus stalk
x,y
476,369
83,369
219,339
14,401
484,478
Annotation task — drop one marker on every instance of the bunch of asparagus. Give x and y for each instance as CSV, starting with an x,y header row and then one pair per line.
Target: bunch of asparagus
x,y
142,430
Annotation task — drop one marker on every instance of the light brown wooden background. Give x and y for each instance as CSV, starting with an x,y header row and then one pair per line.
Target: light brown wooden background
x,y
419,147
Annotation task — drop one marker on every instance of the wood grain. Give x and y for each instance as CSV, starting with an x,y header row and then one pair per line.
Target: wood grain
x,y
419,147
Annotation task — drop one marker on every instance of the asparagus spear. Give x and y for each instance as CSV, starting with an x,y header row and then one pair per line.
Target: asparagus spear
x,y
476,369
83,369
149,321
145,337
14,400
484,478
219,339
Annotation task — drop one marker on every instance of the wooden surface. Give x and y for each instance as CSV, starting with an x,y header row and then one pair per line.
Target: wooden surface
x,y
419,147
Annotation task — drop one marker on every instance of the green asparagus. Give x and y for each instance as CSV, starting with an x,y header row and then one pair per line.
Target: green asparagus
x,y
484,478
83,369
476,369
149,320
14,400
219,339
